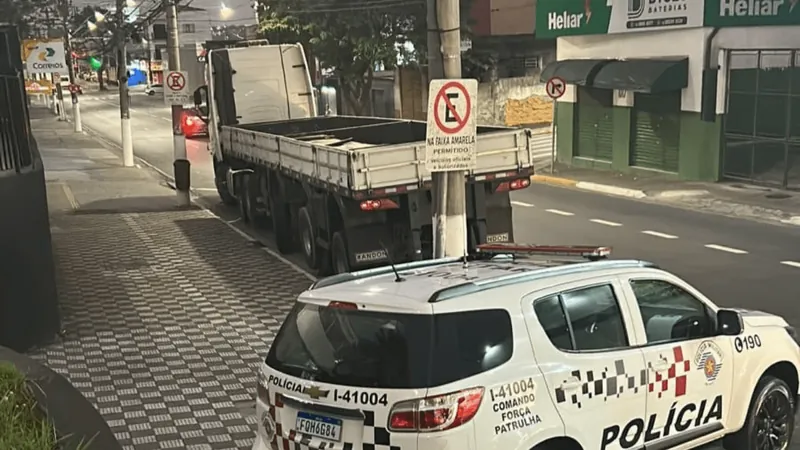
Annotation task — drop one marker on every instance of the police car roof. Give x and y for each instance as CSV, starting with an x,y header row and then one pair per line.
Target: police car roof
x,y
434,281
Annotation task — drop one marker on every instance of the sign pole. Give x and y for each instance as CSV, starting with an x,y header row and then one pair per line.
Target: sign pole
x,y
555,87
180,165
449,187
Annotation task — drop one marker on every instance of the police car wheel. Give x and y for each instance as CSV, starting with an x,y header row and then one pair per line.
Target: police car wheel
x,y
770,418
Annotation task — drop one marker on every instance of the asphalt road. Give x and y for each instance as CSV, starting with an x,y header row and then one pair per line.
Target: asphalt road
x,y
736,262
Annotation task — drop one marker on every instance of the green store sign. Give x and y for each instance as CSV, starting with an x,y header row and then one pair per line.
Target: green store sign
x,y
556,18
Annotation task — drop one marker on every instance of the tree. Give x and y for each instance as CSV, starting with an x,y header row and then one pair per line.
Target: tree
x,y
98,43
352,38
22,14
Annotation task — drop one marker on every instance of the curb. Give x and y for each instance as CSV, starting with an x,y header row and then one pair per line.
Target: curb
x,y
589,186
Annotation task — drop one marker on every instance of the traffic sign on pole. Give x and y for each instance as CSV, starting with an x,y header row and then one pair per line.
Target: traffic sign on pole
x,y
556,87
452,126
176,91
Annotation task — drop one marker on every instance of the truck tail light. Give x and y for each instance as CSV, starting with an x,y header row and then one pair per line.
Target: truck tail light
x,y
378,204
513,185
438,413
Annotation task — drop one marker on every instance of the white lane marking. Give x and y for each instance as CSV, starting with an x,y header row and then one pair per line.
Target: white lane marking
x,y
723,248
606,222
559,212
516,203
658,234
791,264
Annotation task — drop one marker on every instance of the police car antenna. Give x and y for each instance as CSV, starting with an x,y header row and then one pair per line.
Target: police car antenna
x,y
397,277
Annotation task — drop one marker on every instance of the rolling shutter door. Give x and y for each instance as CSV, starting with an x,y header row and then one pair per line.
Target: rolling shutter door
x,y
595,123
656,131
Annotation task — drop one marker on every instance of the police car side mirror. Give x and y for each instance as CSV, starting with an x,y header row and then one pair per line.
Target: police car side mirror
x,y
729,322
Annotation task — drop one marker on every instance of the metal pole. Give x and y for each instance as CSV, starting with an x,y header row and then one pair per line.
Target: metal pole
x,y
449,188
149,54
181,163
76,107
553,131
122,79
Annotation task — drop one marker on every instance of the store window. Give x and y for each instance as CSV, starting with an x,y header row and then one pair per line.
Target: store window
x,y
762,122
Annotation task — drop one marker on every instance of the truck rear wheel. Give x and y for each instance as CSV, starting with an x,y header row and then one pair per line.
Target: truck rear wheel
x,y
221,183
255,211
308,238
339,259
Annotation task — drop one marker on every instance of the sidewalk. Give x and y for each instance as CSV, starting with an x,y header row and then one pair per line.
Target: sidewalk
x,y
167,312
730,199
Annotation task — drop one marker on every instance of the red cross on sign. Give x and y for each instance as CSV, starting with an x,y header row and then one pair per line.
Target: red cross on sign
x,y
176,81
556,87
448,118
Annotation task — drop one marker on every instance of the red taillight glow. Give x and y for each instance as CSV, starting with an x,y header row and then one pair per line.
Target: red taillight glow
x,y
438,413
513,185
342,305
375,205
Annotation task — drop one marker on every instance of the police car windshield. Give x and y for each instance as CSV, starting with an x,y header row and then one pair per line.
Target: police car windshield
x,y
389,350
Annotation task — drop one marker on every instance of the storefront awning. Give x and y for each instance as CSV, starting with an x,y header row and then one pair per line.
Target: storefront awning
x,y
649,76
574,71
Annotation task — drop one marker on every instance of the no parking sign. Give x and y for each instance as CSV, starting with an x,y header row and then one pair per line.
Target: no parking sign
x,y
452,128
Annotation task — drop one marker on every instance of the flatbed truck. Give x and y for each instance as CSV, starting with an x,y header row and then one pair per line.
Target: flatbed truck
x,y
349,192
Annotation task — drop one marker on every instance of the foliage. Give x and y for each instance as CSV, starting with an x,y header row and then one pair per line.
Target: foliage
x,y
22,14
351,38
22,426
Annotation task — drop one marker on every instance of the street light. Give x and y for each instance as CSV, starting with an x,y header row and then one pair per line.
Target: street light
x,y
225,12
99,17
91,25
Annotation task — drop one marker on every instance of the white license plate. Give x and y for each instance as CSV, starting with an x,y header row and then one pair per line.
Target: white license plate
x,y
320,426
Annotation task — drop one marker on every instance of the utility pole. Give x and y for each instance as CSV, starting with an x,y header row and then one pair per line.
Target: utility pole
x,y
181,163
63,10
122,79
149,34
76,107
449,188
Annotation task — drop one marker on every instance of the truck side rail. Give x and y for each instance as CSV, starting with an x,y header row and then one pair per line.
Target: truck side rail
x,y
361,170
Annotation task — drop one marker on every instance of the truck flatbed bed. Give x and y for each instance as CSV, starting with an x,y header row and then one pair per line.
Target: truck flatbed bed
x,y
360,155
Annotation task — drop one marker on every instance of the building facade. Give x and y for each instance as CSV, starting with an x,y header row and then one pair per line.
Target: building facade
x,y
700,90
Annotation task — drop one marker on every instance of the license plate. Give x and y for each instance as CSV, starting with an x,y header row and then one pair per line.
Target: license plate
x,y
320,426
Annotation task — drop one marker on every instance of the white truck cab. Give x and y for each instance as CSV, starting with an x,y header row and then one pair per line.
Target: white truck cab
x,y
520,354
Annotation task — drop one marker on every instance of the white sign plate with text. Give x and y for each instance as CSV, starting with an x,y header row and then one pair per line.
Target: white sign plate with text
x,y
452,125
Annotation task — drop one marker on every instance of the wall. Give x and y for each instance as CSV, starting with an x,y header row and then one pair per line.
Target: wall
x,y
514,101
509,17
689,43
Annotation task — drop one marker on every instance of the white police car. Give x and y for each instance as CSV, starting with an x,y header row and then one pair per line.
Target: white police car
x,y
519,354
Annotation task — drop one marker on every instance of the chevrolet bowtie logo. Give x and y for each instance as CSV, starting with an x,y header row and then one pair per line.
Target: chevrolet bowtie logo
x,y
315,392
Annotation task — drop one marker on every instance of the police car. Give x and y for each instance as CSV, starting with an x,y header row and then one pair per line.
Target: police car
x,y
509,352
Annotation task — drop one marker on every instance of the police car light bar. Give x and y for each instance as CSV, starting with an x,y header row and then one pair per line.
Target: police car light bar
x,y
584,251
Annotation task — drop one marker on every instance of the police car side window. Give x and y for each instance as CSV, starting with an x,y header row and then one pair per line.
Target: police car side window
x,y
584,319
669,313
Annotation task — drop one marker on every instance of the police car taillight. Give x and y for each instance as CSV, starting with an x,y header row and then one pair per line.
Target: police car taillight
x,y
438,413
261,388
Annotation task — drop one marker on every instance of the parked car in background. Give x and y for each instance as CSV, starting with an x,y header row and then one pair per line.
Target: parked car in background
x,y
192,123
155,89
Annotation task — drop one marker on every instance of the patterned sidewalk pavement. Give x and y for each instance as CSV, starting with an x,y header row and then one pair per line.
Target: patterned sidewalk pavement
x,y
167,313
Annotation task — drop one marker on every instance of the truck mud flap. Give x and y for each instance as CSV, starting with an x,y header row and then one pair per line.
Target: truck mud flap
x,y
365,247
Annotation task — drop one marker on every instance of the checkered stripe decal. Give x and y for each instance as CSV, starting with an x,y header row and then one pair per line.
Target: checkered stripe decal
x,y
374,438
607,383
676,376
167,318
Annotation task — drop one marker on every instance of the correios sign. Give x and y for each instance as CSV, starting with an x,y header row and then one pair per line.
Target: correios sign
x,y
581,17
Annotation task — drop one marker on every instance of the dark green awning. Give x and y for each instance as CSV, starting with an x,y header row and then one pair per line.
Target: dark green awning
x,y
649,76
574,71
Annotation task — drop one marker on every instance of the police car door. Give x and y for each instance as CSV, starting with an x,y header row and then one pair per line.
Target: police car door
x,y
581,339
689,369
